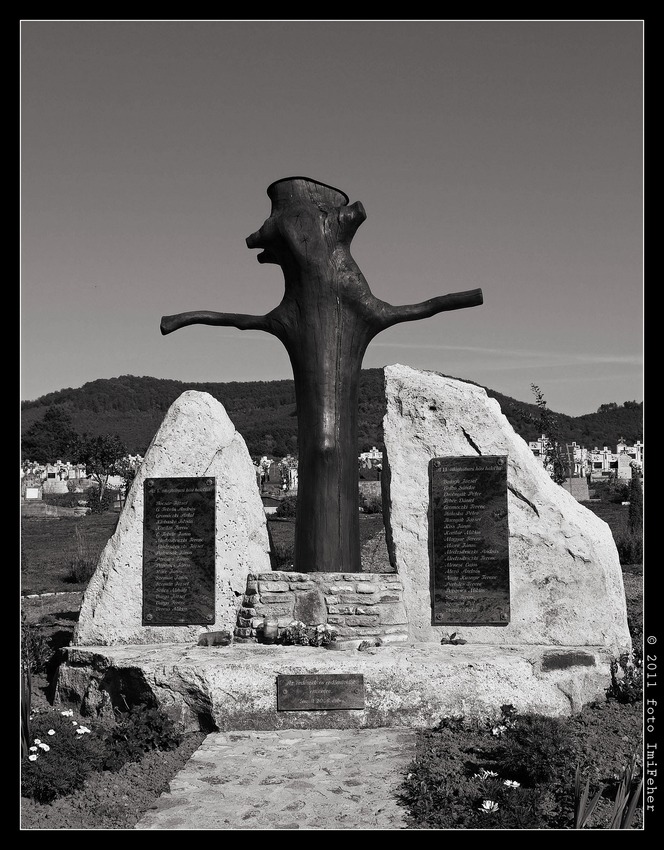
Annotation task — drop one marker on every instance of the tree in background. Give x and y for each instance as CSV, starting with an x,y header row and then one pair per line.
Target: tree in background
x,y
635,516
102,457
126,468
51,438
554,458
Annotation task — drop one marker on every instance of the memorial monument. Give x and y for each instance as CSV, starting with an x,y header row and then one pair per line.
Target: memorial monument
x,y
505,589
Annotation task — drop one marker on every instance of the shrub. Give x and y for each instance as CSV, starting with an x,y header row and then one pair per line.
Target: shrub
x,y
617,492
286,508
138,731
630,547
26,702
537,749
62,752
99,505
63,500
36,651
626,678
284,557
371,503
61,755
635,518
83,559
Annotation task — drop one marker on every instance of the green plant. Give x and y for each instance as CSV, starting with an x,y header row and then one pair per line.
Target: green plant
x,y
101,455
583,810
26,702
63,500
635,516
445,789
137,731
59,757
371,503
630,546
287,507
298,633
83,559
36,651
99,501
283,556
501,803
627,797
626,678
537,749
548,425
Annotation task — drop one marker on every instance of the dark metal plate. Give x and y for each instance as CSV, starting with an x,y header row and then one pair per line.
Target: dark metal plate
x,y
469,541
179,551
320,692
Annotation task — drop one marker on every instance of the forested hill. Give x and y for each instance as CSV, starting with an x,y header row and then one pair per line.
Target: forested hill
x,y
264,412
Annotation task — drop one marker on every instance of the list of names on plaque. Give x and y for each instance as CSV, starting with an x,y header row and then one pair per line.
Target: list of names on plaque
x,y
178,551
470,541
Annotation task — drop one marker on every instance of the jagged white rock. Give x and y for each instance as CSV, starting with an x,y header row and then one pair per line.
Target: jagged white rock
x,y
566,583
196,439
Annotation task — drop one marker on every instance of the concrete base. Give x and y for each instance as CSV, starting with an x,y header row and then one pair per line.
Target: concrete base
x,y
408,685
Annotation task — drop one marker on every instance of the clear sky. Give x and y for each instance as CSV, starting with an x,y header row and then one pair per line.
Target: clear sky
x,y
505,155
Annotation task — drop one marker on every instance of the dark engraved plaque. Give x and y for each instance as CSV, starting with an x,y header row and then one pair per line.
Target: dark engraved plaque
x,y
320,692
178,551
469,541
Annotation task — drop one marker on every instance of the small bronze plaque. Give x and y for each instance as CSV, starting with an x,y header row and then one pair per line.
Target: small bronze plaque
x,y
320,692
178,551
469,541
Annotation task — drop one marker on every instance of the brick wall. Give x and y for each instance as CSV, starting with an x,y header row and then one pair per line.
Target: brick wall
x,y
356,605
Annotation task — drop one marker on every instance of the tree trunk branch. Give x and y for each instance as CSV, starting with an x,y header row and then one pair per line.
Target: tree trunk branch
x,y
208,317
391,315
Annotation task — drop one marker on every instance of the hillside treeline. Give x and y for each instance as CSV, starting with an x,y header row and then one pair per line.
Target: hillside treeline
x,y
264,412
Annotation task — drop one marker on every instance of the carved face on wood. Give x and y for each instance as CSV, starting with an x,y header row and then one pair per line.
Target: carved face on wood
x,y
308,224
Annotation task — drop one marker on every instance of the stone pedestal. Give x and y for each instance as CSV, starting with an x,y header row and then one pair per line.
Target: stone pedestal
x,y
411,684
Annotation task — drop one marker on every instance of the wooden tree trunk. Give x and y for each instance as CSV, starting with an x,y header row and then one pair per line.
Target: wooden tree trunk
x,y
326,319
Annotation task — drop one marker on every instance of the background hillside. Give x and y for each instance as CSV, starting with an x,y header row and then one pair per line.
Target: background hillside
x,y
264,412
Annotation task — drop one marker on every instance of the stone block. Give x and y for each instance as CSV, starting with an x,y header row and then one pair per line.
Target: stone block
x,y
565,579
310,607
196,439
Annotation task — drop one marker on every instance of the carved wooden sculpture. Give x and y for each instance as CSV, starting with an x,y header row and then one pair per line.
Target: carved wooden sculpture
x,y
326,320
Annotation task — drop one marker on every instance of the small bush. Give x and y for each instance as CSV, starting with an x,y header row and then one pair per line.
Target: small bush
x,y
286,508
630,547
63,500
536,750
60,757
618,492
62,752
26,702
370,503
137,732
99,505
626,678
83,559
36,651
